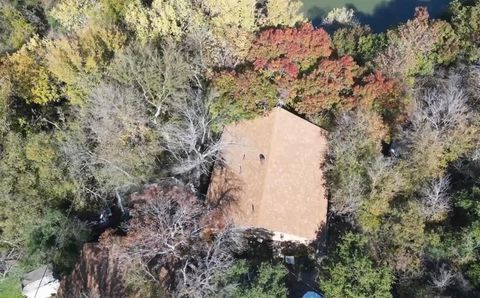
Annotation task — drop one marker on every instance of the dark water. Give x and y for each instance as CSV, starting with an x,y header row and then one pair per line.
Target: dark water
x,y
379,14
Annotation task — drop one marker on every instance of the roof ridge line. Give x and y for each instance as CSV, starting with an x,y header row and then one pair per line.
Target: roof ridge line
x,y
274,115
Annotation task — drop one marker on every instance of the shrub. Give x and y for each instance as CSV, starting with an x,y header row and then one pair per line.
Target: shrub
x,y
263,280
57,239
15,29
351,273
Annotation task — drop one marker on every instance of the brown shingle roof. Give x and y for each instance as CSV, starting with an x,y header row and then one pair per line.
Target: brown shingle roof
x,y
272,174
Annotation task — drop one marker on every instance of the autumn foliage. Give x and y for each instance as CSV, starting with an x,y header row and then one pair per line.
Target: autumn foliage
x,y
417,46
299,67
290,50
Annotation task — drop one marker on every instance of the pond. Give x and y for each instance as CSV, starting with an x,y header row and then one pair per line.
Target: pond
x,y
379,14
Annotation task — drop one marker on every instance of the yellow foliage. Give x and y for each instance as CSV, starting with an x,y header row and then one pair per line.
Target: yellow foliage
x,y
73,14
284,12
44,90
231,22
15,28
63,59
40,151
29,78
77,61
234,22
164,18
99,45
238,14
237,21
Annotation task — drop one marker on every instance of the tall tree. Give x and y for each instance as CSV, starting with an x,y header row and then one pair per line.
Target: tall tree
x,y
351,273
417,46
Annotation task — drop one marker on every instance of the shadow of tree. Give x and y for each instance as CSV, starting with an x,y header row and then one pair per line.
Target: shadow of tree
x,y
388,14
225,186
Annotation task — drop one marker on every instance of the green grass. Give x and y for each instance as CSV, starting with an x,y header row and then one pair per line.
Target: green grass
x,y
10,287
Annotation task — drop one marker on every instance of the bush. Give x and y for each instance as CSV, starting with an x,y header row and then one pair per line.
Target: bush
x,y
14,28
261,281
57,239
10,287
351,273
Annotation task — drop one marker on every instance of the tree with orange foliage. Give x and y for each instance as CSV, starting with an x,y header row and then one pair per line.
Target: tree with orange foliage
x,y
290,50
298,67
328,86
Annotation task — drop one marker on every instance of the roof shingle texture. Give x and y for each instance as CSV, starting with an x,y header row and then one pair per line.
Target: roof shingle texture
x,y
272,172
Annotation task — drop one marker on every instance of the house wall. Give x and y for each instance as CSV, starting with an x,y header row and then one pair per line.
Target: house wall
x,y
279,236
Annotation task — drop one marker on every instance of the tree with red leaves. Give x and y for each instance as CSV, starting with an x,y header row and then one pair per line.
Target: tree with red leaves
x,y
298,67
377,91
330,85
290,50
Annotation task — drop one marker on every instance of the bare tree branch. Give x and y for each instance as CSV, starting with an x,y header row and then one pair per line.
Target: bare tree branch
x,y
436,199
188,136
163,77
442,278
8,260
112,143
204,274
166,233
443,108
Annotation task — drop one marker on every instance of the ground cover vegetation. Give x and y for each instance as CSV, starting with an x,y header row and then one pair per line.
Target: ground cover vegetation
x,y
101,99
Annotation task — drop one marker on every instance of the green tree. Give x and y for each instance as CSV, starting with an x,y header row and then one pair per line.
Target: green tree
x,y
402,238
32,180
351,273
417,46
466,22
5,89
14,28
443,129
11,287
56,239
358,42
243,96
468,203
260,281
362,181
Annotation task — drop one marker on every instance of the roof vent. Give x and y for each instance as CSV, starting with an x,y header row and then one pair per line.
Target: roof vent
x,y
262,158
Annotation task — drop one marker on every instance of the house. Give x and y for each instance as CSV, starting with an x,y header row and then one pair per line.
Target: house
x,y
271,176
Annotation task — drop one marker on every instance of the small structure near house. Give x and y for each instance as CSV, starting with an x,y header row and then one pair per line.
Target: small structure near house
x,y
271,176
40,283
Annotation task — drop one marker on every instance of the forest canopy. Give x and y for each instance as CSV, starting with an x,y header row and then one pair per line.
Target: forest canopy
x,y
108,105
